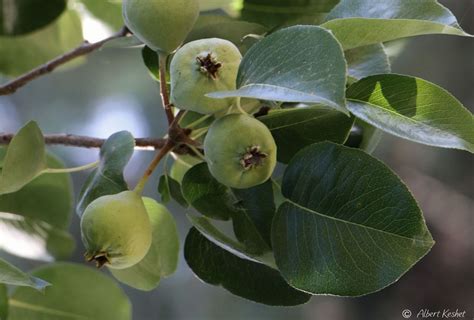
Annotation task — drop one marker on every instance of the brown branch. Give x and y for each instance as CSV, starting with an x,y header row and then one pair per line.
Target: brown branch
x,y
83,49
86,142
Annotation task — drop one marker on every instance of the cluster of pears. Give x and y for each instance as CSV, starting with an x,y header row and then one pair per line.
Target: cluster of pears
x,y
240,150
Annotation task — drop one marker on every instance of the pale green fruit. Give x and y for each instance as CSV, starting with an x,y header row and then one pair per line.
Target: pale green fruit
x,y
201,67
240,151
116,230
161,24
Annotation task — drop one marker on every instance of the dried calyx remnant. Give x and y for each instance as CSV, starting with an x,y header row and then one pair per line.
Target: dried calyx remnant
x,y
252,158
209,65
100,259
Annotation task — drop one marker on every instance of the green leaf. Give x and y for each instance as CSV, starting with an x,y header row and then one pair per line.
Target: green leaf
x,y
33,239
259,208
214,26
181,165
413,109
251,217
217,235
3,302
108,11
371,136
24,160
366,61
150,59
274,13
108,178
23,53
244,278
204,193
357,23
24,16
282,67
162,258
349,226
11,275
171,189
35,219
296,128
48,198
77,292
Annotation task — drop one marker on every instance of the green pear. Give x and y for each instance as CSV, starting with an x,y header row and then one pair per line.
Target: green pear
x,y
201,67
116,230
162,25
240,151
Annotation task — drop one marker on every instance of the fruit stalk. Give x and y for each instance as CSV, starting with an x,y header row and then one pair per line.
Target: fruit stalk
x,y
162,60
149,171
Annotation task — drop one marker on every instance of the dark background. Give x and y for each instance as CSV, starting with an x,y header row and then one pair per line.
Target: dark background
x,y
113,92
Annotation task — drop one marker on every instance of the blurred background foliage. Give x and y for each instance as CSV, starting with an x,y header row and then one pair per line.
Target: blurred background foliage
x,y
112,91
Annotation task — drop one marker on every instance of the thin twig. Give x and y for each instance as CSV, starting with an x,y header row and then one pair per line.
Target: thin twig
x,y
83,49
85,142
149,171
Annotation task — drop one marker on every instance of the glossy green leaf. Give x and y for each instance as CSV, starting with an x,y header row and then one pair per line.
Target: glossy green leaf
x,y
259,208
282,67
24,160
366,61
296,128
251,217
108,177
235,31
171,189
181,165
23,16
34,220
23,53
274,13
33,239
371,136
48,198
76,292
204,193
3,302
220,236
11,275
150,59
357,23
244,278
253,247
107,11
413,109
162,258
349,226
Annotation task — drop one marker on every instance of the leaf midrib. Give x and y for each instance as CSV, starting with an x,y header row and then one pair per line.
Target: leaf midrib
x,y
417,122
428,242
296,123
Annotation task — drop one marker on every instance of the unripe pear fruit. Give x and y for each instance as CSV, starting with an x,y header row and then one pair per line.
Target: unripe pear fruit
x,y
240,151
116,230
162,25
201,67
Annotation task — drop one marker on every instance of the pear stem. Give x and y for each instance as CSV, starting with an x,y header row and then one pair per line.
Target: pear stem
x,y
162,61
198,121
149,171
